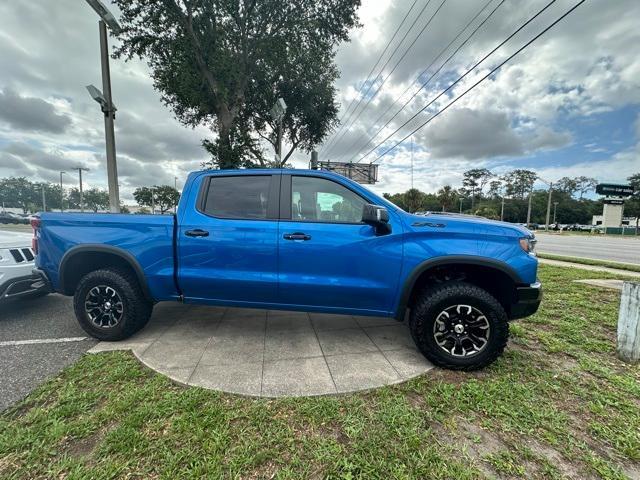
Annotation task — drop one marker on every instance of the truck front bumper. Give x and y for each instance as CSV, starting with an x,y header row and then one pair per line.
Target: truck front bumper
x,y
24,286
528,300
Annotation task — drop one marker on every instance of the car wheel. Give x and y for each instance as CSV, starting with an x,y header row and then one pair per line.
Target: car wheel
x,y
109,304
459,326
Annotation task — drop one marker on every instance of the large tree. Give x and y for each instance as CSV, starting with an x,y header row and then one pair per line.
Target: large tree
x,y
474,181
519,183
632,205
163,197
447,197
222,62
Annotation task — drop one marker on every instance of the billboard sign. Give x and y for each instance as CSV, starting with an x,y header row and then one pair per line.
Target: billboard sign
x,y
365,173
613,190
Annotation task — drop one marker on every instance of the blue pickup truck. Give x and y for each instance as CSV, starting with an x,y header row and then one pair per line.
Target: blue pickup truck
x,y
297,240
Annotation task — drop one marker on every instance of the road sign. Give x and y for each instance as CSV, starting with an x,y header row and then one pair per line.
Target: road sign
x,y
613,190
613,201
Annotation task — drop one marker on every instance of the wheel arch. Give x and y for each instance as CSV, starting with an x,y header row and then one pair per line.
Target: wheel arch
x,y
82,259
496,269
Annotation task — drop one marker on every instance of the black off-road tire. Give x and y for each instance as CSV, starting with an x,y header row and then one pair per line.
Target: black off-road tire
x,y
434,300
136,308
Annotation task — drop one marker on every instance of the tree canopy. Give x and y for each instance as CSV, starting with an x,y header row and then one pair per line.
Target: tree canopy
x,y
223,63
163,197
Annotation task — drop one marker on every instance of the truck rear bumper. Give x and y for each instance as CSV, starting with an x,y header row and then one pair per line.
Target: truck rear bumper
x,y
528,300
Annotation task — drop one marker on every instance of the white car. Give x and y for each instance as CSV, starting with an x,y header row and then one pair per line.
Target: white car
x,y
16,265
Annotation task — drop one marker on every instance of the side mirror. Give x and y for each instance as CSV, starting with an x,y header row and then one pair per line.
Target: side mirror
x,y
377,217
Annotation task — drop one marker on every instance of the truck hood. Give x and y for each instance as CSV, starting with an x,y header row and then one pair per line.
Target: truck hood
x,y
456,222
14,239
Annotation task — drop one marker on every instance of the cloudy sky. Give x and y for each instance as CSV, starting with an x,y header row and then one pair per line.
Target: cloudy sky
x,y
568,105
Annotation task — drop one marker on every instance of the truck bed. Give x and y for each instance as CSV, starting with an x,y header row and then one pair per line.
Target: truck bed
x,y
148,238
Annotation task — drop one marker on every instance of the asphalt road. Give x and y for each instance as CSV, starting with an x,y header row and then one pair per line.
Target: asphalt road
x,y
38,338
604,247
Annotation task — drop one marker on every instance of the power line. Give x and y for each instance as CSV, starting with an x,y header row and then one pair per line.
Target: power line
x,y
378,61
483,78
460,78
424,28
423,85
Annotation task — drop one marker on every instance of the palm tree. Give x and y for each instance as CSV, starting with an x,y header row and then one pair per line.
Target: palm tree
x,y
447,197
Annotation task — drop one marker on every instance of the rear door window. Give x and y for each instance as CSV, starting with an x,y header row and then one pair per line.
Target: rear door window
x,y
240,197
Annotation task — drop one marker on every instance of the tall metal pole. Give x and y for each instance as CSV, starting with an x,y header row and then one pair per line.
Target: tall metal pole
x,y
502,210
549,206
44,200
80,169
529,208
109,117
153,201
555,206
61,193
461,205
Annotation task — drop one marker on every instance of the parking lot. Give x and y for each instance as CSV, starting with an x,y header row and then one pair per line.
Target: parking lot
x,y
38,338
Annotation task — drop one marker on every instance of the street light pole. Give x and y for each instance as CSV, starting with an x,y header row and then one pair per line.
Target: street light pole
x,y
502,210
105,100
61,193
80,169
529,207
555,206
109,117
461,199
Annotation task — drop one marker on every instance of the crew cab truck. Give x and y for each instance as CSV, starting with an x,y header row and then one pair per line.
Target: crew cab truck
x,y
303,240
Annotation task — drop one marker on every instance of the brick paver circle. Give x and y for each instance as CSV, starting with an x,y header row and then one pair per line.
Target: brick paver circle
x,y
274,353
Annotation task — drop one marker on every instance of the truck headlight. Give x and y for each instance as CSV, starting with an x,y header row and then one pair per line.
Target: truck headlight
x,y
528,244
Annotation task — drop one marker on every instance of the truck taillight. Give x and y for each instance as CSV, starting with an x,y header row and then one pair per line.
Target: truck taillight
x,y
35,224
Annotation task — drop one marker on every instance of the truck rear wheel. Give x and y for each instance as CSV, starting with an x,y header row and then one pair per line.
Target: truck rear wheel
x,y
109,304
459,326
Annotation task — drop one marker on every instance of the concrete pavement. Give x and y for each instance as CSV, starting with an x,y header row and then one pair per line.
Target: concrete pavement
x,y
274,353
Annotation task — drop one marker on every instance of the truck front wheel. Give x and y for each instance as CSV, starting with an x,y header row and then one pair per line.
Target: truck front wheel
x,y
109,304
459,326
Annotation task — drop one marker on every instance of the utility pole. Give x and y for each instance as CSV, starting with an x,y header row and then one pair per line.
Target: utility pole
x,y
175,186
61,193
153,200
461,199
529,207
80,170
502,211
549,206
44,200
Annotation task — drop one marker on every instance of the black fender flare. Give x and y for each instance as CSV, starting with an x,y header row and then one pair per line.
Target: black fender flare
x,y
101,248
411,279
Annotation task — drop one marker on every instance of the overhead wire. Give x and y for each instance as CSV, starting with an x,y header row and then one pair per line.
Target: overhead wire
x,y
424,28
368,79
426,82
461,77
495,69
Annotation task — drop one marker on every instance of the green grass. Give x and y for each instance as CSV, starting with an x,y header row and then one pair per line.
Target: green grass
x,y
557,404
629,267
